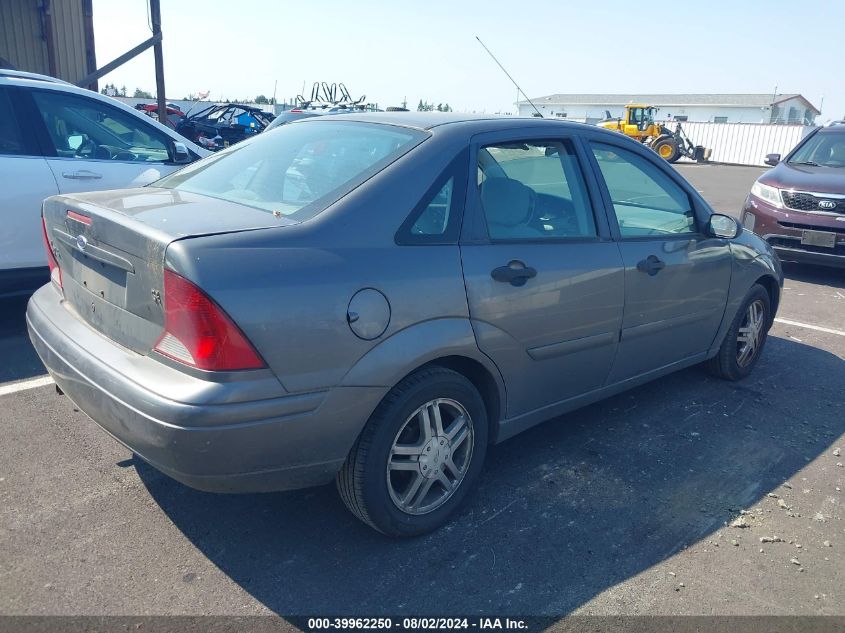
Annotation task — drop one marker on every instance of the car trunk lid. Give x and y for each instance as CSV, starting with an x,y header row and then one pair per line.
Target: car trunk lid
x,y
111,244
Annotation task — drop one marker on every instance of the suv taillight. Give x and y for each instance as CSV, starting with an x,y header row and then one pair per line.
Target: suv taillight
x,y
198,333
55,271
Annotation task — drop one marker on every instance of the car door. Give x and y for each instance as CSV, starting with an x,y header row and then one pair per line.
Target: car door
x,y
676,277
27,180
544,280
92,146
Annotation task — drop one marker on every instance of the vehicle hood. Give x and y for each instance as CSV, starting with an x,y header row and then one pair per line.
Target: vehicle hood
x,y
806,178
181,213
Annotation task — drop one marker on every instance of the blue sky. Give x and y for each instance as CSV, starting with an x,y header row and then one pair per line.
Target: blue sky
x,y
390,50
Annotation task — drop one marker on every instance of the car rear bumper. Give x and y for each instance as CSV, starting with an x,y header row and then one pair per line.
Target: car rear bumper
x,y
239,436
783,228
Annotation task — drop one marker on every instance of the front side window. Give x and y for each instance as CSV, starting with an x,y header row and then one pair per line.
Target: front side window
x,y
299,169
534,190
647,202
86,129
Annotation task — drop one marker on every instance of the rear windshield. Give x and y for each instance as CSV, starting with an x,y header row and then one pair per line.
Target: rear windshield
x,y
296,170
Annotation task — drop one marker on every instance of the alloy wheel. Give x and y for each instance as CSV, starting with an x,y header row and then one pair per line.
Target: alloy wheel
x,y
750,335
430,456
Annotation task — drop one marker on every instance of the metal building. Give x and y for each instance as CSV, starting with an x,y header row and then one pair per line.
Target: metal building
x,y
714,108
52,37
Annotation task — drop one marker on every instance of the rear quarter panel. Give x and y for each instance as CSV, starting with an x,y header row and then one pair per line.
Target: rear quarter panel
x,y
289,288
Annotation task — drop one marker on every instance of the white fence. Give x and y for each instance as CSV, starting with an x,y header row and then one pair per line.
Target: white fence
x,y
743,143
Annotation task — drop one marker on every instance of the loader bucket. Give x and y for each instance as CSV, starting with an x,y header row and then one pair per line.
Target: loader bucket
x,y
701,153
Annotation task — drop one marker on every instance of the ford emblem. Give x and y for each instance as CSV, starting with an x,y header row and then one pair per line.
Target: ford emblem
x,y
827,204
81,242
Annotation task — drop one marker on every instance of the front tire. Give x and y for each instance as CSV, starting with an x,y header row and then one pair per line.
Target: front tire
x,y
419,454
667,148
746,337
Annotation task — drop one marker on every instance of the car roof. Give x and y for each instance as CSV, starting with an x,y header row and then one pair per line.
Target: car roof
x,y
430,120
11,73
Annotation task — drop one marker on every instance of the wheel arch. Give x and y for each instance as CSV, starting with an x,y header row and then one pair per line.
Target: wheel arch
x,y
773,289
482,380
449,343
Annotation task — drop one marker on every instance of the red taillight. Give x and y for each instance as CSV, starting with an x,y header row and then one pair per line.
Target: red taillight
x,y
55,271
198,333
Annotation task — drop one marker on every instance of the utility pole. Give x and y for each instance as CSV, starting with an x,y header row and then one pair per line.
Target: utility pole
x,y
155,18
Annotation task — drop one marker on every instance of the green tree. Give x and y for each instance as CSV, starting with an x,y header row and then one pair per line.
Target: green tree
x,y
261,99
122,91
142,94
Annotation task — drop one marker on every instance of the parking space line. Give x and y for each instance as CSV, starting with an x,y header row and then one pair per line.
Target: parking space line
x,y
807,326
25,384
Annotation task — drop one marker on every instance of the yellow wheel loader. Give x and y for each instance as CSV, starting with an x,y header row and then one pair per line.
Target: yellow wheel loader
x,y
670,145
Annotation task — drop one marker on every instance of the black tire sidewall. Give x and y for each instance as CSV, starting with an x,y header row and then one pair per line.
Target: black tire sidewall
x,y
380,507
670,142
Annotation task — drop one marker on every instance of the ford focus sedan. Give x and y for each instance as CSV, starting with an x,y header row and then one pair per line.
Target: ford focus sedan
x,y
376,298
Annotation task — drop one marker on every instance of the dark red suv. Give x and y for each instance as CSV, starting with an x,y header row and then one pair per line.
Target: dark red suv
x,y
799,206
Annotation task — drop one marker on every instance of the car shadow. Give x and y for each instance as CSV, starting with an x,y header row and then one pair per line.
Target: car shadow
x,y
564,511
819,275
19,359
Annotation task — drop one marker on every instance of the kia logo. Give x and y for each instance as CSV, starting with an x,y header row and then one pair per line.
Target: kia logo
x,y
81,242
827,204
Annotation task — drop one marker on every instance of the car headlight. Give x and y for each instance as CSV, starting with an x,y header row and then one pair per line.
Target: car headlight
x,y
768,193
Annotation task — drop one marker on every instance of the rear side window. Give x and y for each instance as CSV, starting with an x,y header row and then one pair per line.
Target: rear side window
x,y
534,190
10,133
437,217
299,169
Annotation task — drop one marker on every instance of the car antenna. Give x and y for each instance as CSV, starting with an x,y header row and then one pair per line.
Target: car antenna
x,y
509,77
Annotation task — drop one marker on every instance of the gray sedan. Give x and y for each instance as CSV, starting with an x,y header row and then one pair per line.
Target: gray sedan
x,y
377,298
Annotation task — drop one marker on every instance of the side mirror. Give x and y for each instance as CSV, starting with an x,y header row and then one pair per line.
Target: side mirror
x,y
772,159
179,153
723,226
74,141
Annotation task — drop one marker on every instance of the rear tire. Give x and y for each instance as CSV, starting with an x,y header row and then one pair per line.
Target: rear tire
x,y
403,480
667,149
745,339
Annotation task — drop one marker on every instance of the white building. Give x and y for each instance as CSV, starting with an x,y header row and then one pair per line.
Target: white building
x,y
713,108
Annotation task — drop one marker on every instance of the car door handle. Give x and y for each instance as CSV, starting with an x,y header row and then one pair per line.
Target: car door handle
x,y
651,265
515,273
82,174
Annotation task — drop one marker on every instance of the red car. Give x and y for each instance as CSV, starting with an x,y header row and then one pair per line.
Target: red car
x,y
174,113
799,206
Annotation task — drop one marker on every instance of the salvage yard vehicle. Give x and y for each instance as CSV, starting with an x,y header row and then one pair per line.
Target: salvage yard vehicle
x,y
670,145
57,138
218,126
174,112
376,298
799,206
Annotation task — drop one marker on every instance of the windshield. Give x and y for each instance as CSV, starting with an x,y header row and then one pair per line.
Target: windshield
x,y
822,149
298,170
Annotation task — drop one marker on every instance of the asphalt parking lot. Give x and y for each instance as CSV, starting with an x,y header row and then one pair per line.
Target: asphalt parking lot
x,y
618,508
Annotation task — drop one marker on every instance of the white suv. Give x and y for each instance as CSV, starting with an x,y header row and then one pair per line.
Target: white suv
x,y
57,138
